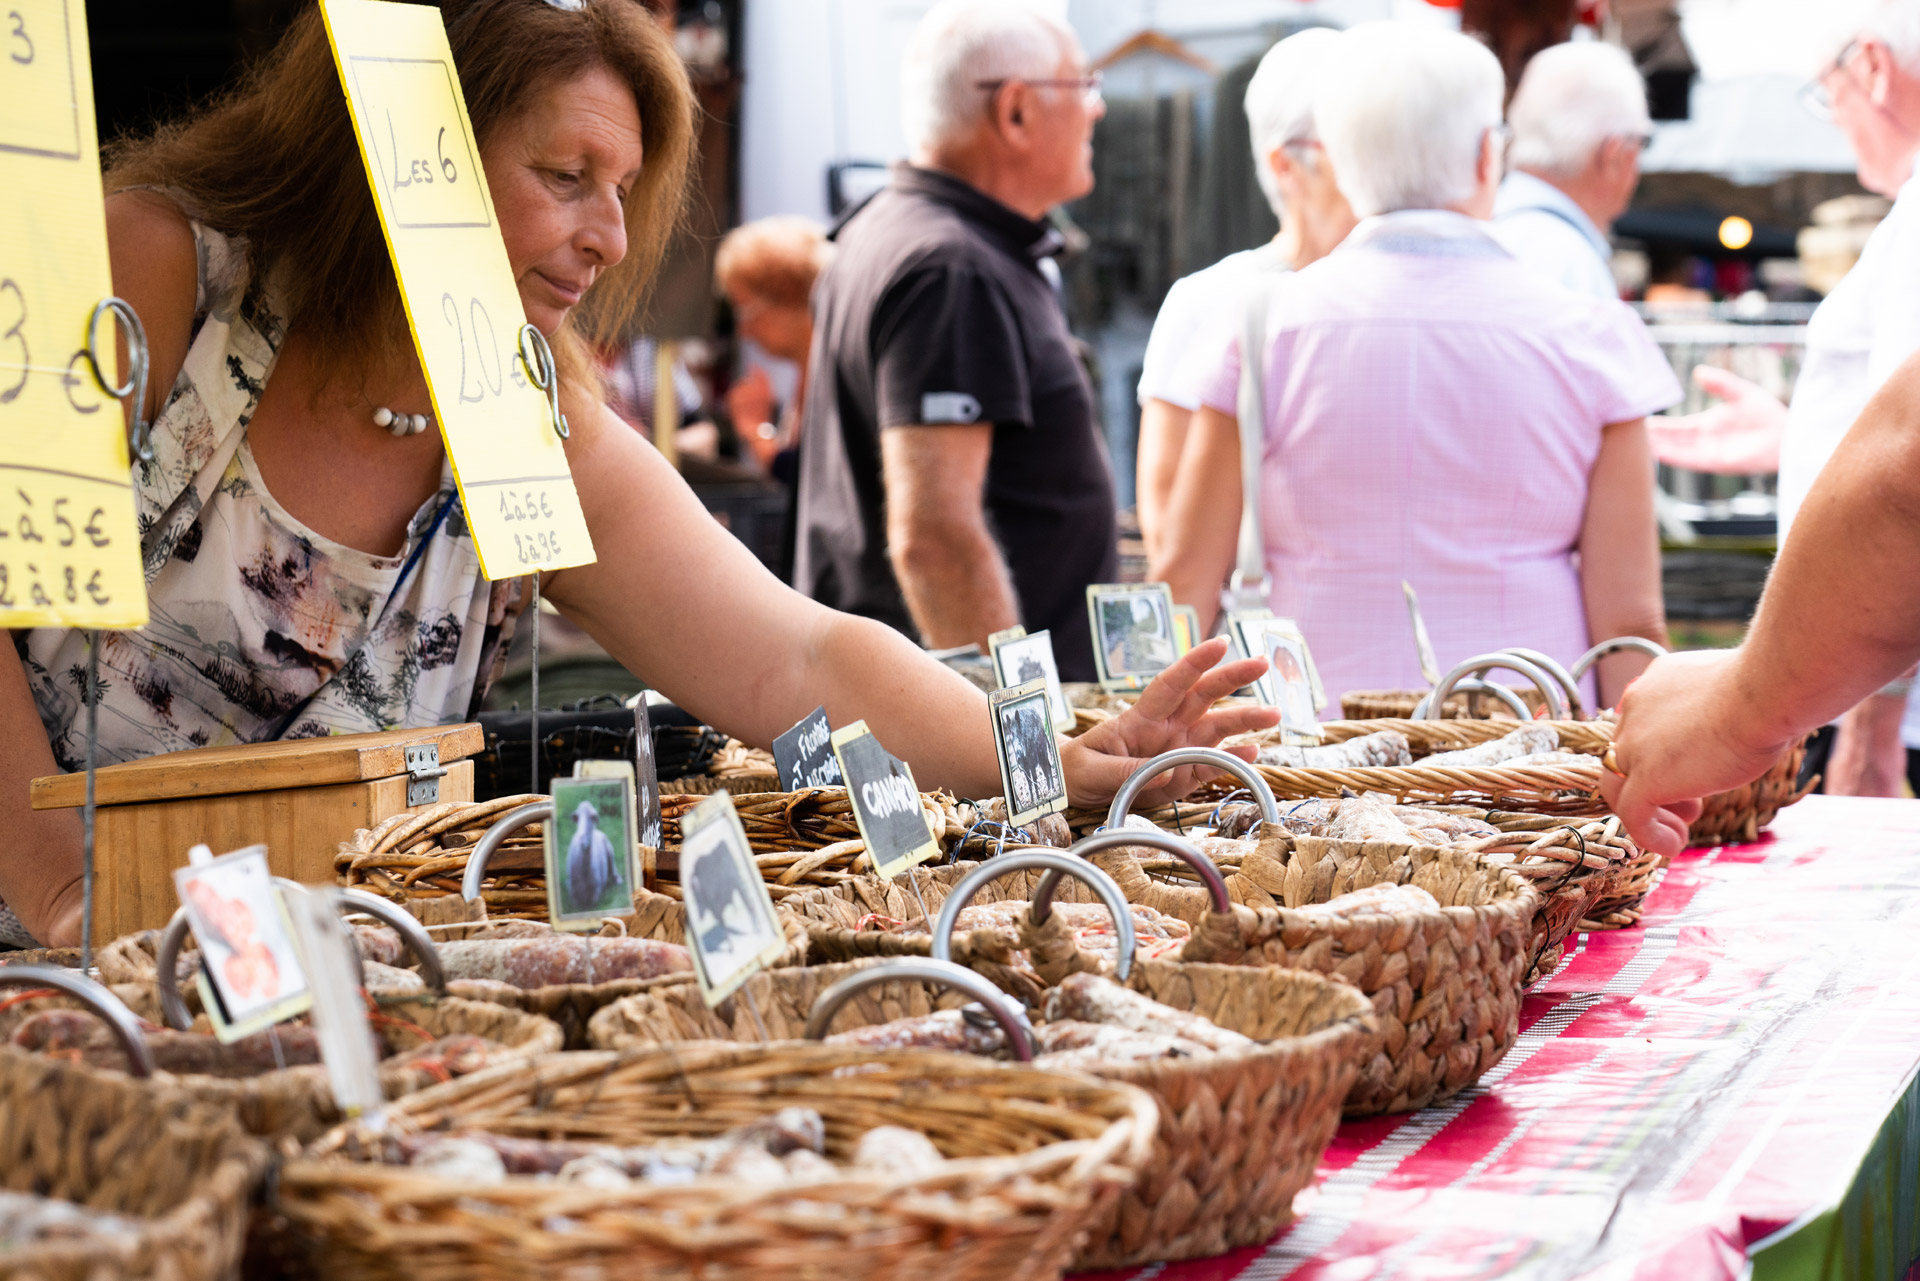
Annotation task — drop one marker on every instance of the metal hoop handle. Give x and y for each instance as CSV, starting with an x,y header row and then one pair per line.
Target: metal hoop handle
x,y
1056,866
122,1021
140,435
1430,706
540,369
1138,780
510,822
1167,843
1474,685
1012,1019
403,923
1618,643
1551,666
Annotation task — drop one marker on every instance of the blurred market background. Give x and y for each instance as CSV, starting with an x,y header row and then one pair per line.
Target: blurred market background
x,y
1746,213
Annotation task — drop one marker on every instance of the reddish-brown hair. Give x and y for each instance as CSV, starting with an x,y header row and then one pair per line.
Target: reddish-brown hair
x,y
775,258
275,161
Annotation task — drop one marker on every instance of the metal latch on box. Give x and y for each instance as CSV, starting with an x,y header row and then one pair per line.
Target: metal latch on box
x,y
424,773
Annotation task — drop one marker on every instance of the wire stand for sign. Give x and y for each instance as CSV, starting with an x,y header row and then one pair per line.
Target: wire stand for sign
x,y
753,1008
86,811
533,734
915,886
140,440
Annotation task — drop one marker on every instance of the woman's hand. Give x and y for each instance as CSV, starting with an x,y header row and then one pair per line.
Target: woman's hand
x,y
1174,711
1686,731
57,924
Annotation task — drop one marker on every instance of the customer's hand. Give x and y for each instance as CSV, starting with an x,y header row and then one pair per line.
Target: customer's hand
x,y
1739,436
1686,731
1176,710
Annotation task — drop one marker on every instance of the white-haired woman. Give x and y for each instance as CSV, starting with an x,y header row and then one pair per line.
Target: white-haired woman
x,y
1196,315
1435,411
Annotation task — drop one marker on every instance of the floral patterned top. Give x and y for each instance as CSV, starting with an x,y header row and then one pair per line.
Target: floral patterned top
x,y
261,628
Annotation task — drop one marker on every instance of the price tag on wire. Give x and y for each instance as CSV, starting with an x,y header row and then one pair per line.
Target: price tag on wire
x,y
490,375
69,548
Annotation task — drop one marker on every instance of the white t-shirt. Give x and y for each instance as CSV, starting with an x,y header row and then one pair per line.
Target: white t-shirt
x,y
1541,226
1195,324
1866,328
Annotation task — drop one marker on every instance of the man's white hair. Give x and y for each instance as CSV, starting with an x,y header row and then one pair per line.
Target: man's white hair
x,y
1572,98
1896,24
1280,101
1402,109
960,43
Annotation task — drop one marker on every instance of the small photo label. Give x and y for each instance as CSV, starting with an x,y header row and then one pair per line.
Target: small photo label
x,y
589,852
1288,684
1020,659
251,976
1030,774
731,927
1133,636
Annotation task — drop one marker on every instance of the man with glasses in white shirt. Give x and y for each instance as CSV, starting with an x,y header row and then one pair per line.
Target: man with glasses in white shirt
x,y
1579,122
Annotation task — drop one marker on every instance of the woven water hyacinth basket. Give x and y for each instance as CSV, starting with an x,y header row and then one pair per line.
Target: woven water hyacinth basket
x,y
1239,1135
146,1150
836,919
1588,873
1394,704
1031,1155
1446,983
812,818
297,1102
1538,789
424,856
1739,815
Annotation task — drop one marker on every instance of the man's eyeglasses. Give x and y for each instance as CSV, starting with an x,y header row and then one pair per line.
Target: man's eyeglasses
x,y
1814,95
1502,135
1088,85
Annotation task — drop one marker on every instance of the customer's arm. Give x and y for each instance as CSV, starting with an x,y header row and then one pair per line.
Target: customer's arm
x,y
1620,553
1163,435
1203,520
950,569
1835,624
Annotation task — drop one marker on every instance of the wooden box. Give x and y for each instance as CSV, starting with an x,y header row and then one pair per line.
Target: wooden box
x,y
300,798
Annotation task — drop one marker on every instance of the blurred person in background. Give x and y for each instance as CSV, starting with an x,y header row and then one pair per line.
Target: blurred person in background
x,y
954,480
1293,172
1864,330
1435,410
1579,123
766,270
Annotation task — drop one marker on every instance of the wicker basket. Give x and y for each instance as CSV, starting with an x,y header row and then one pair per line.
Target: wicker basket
x,y
1397,704
1033,1155
1446,984
298,1103
143,1149
1739,815
833,917
1239,1134
1588,874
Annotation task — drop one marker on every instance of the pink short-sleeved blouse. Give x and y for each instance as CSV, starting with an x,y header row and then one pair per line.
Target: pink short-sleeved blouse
x,y
1434,409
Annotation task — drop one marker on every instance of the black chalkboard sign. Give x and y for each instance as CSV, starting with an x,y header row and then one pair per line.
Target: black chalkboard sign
x,y
886,804
804,754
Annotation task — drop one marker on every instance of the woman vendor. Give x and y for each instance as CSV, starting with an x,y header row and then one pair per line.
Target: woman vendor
x,y
308,564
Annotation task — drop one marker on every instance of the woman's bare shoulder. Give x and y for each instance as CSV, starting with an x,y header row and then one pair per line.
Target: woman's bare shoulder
x,y
156,268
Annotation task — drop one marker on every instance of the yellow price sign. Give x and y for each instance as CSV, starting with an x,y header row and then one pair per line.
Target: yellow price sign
x,y
69,547
462,305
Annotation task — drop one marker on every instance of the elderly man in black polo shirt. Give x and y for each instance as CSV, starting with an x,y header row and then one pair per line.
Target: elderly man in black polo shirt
x,y
953,481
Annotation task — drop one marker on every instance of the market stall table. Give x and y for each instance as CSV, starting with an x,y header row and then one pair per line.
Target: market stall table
x,y
1731,1084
